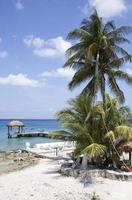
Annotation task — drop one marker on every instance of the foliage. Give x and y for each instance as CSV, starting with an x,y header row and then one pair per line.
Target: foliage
x,y
95,150
93,135
59,135
95,196
97,56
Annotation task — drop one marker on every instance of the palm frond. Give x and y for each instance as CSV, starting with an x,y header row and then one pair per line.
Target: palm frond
x,y
123,76
89,90
95,150
123,52
109,26
78,34
115,88
119,40
80,76
124,131
110,135
98,109
75,48
65,135
120,31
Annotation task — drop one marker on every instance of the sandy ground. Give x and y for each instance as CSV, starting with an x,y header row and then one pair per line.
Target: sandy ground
x,y
43,182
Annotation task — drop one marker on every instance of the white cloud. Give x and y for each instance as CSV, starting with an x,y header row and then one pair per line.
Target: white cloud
x,y
129,71
52,48
31,41
19,5
106,8
66,73
59,73
46,52
59,44
3,54
85,8
0,39
18,80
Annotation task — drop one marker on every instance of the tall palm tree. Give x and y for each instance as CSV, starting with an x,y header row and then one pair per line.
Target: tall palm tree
x,y
97,56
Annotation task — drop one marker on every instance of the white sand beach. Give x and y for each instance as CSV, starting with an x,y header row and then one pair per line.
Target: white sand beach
x,y
43,182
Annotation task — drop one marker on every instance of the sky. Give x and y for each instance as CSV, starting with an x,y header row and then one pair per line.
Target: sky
x,y
33,82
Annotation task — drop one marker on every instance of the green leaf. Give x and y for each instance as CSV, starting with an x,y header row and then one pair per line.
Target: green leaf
x,y
95,150
110,135
124,131
60,135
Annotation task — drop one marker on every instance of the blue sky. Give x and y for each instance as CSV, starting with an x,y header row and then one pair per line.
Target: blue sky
x,y
33,33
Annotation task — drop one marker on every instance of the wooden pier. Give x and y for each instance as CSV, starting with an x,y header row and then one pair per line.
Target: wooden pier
x,y
33,134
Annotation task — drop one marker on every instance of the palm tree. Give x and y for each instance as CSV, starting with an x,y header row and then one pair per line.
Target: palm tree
x,y
97,136
97,56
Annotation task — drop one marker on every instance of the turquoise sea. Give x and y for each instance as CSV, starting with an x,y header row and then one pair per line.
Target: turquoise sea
x,y
30,125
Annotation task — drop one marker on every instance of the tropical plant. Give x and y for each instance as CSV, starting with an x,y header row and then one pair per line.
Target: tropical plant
x,y
97,56
95,196
97,136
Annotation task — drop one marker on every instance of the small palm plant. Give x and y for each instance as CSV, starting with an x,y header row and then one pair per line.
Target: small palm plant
x,y
96,136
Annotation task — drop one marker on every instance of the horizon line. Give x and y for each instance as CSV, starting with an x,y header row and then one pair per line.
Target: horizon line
x,y
28,119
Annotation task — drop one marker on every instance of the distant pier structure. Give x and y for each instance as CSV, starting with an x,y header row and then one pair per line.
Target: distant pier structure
x,y
20,132
15,124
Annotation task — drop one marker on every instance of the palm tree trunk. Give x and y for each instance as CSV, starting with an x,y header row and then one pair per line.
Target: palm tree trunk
x,y
104,96
96,77
84,161
95,84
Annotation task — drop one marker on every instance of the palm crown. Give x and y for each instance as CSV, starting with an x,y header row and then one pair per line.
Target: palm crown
x,y
97,56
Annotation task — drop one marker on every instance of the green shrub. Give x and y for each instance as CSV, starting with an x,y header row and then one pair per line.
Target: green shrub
x,y
95,196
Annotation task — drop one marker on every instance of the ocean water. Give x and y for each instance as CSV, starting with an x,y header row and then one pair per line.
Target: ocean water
x,y
30,125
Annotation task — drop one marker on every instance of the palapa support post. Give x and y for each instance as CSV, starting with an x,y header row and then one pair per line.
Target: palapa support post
x,y
22,129
130,157
9,135
18,129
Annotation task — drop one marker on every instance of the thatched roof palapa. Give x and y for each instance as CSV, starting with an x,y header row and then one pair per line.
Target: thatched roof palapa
x,y
15,123
125,145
